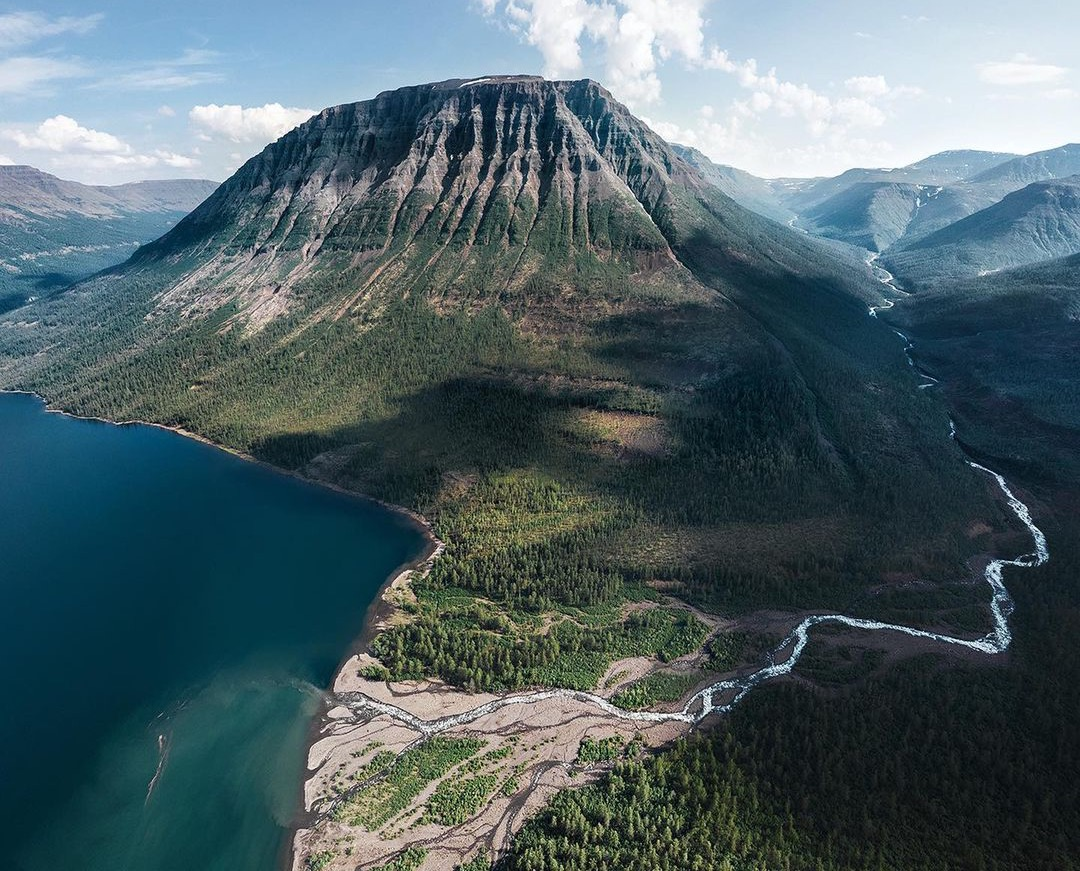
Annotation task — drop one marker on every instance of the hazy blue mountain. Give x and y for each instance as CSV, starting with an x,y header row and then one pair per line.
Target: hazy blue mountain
x,y
54,232
961,164
756,194
938,170
871,215
967,197
1040,166
1038,222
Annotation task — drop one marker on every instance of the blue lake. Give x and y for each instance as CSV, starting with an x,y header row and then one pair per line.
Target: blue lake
x,y
166,607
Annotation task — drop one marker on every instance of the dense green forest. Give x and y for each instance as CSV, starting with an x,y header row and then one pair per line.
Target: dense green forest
x,y
594,392
1007,347
925,767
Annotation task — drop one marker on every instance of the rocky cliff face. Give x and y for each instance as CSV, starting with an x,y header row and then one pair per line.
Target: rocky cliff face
x,y
463,188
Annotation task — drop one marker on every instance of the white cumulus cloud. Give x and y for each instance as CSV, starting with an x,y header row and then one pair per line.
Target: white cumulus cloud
x,y
1022,69
70,145
171,158
62,133
248,124
868,86
631,40
634,36
821,112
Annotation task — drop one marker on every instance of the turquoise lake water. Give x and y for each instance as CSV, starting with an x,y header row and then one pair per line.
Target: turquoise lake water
x,y
165,603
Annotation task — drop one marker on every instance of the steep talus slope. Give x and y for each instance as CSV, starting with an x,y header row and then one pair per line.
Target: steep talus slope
x,y
1039,222
54,232
468,187
471,190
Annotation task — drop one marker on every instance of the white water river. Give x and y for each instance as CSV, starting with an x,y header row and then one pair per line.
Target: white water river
x,y
722,696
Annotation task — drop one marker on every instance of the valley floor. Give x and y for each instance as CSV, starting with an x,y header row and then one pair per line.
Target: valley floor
x,y
418,773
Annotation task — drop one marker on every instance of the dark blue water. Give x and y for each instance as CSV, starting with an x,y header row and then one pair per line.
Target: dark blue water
x,y
162,598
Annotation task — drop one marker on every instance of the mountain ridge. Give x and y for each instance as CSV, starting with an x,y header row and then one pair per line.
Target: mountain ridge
x,y
36,192
1038,222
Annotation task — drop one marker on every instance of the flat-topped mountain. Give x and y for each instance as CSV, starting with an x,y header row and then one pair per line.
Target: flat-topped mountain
x,y
408,294
469,189
29,191
54,232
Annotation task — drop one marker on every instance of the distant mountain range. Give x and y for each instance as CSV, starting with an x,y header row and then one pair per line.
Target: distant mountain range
x,y
756,194
927,218
54,232
1038,222
938,170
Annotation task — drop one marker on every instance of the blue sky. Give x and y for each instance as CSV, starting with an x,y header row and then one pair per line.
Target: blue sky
x,y
115,91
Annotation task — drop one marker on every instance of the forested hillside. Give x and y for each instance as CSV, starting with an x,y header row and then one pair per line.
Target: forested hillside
x,y
920,767
1007,347
1040,222
968,767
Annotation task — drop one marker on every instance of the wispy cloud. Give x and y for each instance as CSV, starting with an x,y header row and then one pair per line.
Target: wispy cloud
x,y
635,37
1022,69
859,107
193,67
18,29
24,76
247,124
32,74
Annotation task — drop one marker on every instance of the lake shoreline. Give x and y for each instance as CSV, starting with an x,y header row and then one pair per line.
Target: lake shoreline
x,y
378,611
